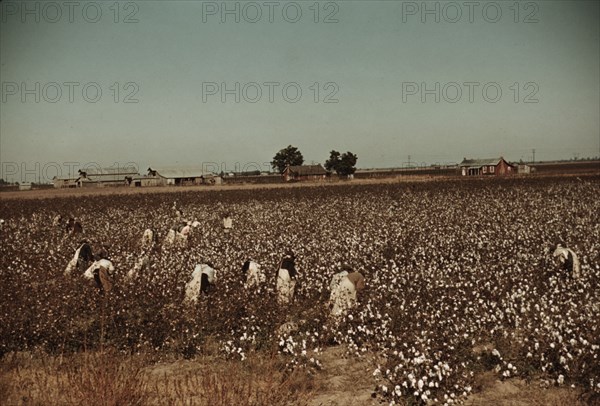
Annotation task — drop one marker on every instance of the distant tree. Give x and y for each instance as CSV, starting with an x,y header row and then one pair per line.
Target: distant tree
x,y
287,156
343,164
332,163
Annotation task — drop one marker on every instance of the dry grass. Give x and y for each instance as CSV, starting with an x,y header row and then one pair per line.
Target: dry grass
x,y
108,379
98,379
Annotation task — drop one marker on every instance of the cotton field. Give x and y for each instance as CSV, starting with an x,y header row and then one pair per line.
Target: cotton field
x,y
459,279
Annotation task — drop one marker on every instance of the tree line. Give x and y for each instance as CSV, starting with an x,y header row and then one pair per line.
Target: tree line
x,y
343,164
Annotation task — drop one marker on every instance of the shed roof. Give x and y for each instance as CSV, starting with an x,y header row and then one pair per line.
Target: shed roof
x,y
107,174
180,172
126,170
477,163
307,170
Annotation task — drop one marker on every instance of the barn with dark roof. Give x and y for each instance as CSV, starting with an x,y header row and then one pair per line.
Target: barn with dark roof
x,y
304,172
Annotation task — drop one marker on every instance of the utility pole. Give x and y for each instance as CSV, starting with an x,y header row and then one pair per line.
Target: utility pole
x,y
533,152
409,161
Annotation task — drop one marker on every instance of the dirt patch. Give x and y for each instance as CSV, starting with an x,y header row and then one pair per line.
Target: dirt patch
x,y
344,380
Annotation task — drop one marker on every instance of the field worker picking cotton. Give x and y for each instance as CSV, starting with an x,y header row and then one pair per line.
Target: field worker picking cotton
x,y
286,278
101,271
344,288
568,260
227,223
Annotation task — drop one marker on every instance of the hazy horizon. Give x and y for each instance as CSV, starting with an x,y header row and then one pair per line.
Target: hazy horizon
x,y
231,83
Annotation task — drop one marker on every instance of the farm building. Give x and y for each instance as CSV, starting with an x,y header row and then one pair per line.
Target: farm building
x,y
181,176
96,177
25,186
60,183
143,181
304,172
523,169
494,167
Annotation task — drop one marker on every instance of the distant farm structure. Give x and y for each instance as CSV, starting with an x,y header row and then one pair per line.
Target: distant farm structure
x,y
180,176
524,169
422,170
197,176
97,177
143,181
489,167
304,172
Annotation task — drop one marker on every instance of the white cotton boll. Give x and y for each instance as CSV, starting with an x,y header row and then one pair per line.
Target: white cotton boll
x,y
561,379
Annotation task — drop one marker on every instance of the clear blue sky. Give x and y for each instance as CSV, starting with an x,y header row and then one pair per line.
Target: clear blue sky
x,y
384,62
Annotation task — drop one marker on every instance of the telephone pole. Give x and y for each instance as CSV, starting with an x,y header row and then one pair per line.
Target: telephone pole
x,y
533,152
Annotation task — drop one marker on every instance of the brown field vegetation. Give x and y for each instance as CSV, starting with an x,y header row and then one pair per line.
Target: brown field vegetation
x,y
462,304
